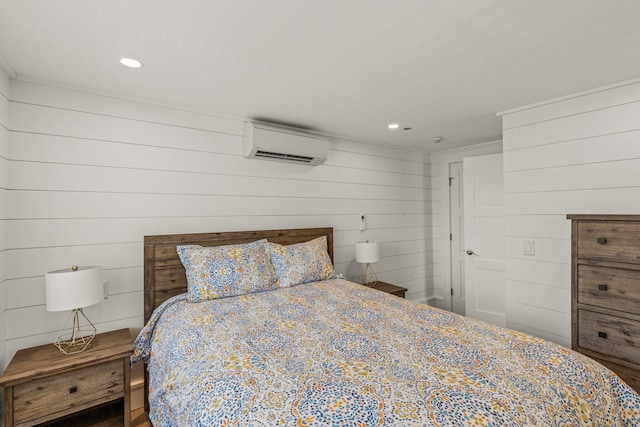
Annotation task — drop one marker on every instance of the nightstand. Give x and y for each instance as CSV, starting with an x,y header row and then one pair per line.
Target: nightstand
x,y
42,384
388,288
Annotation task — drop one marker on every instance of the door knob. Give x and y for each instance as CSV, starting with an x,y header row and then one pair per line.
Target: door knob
x,y
470,252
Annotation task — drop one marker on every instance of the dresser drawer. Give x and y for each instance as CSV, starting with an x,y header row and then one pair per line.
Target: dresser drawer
x,y
74,389
609,241
610,335
613,288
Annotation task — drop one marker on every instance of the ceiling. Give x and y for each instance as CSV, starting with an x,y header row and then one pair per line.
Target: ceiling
x,y
341,67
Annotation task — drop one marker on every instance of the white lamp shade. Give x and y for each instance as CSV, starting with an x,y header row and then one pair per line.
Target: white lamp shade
x,y
367,252
69,289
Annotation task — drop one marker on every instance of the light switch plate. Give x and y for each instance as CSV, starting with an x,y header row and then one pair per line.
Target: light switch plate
x,y
528,247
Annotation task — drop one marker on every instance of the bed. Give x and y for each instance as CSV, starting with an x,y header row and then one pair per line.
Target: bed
x,y
332,352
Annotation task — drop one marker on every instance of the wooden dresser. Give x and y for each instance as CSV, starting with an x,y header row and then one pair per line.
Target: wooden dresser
x,y
605,291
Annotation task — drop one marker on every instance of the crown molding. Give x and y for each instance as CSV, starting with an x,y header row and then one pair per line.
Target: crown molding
x,y
573,95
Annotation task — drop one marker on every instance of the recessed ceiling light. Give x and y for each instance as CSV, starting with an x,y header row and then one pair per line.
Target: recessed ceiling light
x,y
131,63
393,126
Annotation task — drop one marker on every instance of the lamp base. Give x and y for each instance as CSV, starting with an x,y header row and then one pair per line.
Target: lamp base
x,y
369,276
78,339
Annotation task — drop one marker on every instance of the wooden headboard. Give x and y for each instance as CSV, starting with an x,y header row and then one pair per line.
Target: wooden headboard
x,y
164,275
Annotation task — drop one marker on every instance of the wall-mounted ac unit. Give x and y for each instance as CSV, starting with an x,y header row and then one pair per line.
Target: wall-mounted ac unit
x,y
269,142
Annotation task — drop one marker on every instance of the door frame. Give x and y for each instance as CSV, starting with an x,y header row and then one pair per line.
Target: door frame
x,y
445,158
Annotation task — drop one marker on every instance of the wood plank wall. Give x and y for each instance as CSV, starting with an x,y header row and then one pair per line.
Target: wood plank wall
x,y
578,155
91,175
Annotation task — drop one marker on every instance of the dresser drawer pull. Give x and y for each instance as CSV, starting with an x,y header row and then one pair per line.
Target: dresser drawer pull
x,y
73,389
602,240
603,287
602,335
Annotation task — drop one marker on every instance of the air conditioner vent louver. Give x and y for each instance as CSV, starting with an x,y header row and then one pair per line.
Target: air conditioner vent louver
x,y
284,144
281,156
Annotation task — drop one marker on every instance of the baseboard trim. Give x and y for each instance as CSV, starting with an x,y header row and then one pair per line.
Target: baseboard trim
x,y
435,302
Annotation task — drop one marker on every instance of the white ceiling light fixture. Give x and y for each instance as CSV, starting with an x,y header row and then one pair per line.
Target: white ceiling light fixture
x,y
393,126
437,139
130,62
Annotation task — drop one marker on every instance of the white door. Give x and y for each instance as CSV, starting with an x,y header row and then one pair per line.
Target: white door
x,y
484,238
456,222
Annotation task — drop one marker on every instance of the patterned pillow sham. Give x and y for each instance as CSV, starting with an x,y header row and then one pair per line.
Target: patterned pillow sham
x,y
302,262
224,271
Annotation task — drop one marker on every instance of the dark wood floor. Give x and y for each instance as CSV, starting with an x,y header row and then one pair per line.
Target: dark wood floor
x,y
139,418
109,415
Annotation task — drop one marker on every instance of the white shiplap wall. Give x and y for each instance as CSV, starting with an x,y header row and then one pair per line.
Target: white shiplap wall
x,y
575,155
4,188
91,175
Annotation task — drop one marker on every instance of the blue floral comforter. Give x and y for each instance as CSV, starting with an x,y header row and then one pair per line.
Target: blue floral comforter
x,y
335,353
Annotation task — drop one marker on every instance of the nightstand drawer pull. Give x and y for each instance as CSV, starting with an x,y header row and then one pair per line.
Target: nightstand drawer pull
x,y
73,389
602,240
602,335
603,287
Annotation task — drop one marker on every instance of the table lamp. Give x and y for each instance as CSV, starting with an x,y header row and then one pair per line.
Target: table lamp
x,y
367,253
72,289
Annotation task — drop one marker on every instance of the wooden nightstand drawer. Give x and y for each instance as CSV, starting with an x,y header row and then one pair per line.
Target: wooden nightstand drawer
x,y
398,291
75,389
